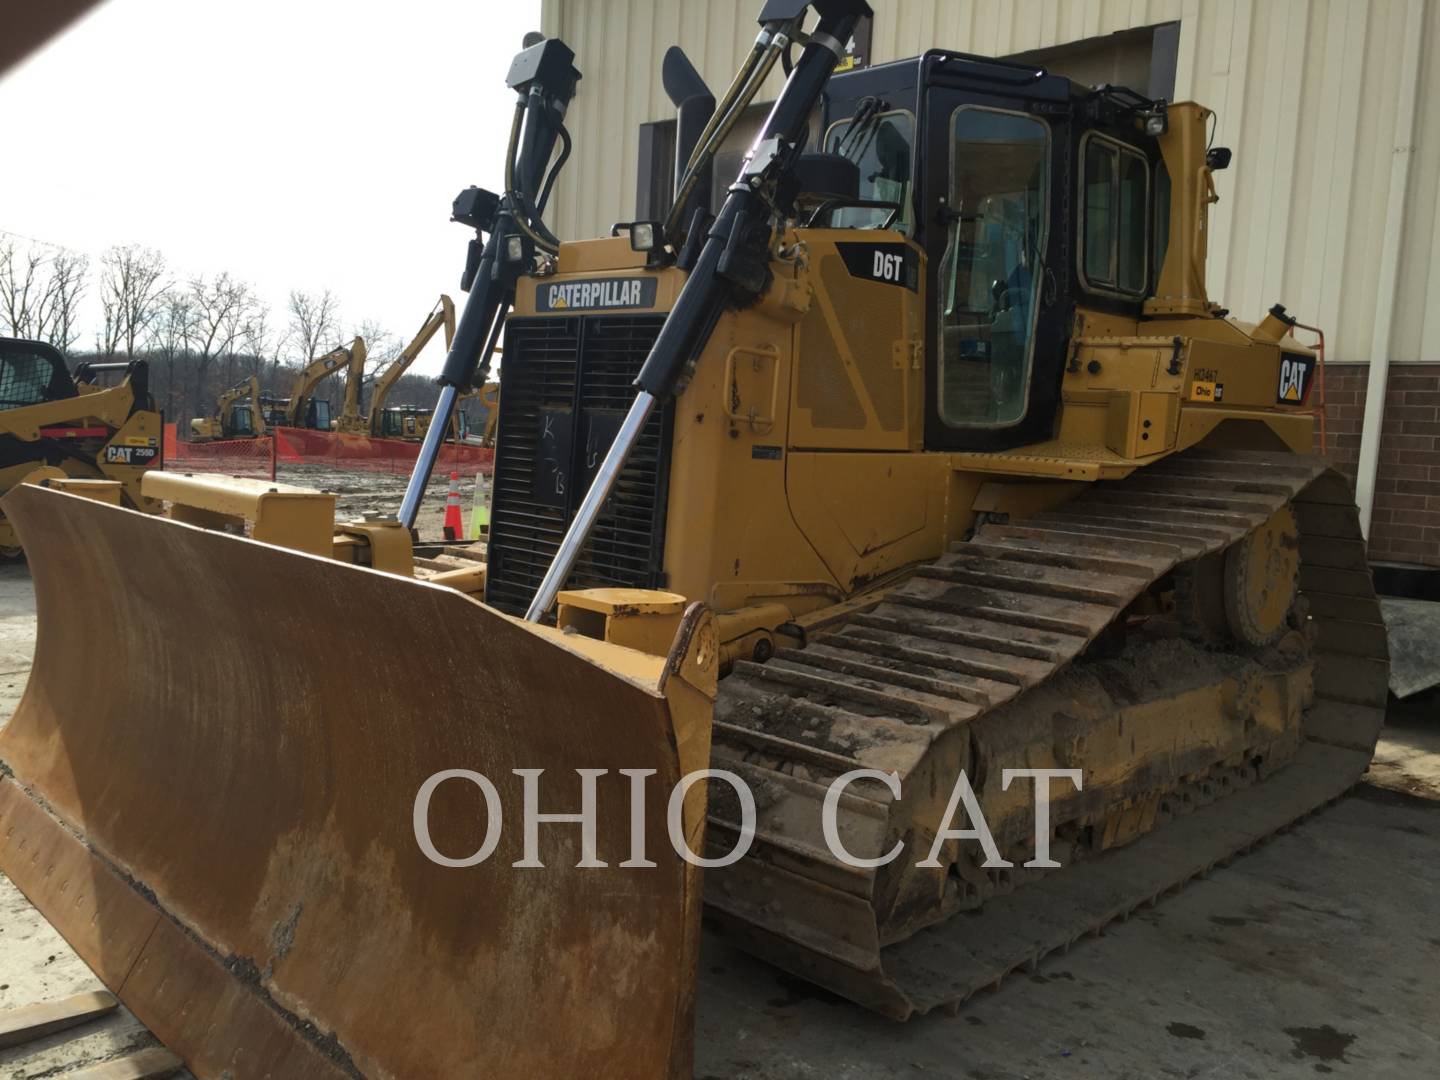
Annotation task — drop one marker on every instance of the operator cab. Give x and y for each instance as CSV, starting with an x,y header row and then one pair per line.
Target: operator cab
x,y
32,372
404,422
241,424
1030,195
317,413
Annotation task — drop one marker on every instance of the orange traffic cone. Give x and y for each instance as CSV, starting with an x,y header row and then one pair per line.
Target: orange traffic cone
x,y
454,526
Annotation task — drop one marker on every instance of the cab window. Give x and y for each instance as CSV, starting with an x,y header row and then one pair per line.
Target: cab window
x,y
992,267
1162,214
1115,219
881,144
29,376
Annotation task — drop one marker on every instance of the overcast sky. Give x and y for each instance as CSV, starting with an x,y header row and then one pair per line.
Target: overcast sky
x,y
304,144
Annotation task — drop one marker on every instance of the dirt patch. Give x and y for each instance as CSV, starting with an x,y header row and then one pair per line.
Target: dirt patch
x,y
1323,1042
357,490
1386,776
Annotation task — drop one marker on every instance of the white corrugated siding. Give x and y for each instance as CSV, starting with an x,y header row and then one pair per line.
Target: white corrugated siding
x,y
1306,92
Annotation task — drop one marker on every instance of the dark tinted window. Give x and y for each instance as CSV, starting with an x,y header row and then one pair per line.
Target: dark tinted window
x,y
882,148
1134,181
1099,213
1162,214
990,274
28,377
1116,222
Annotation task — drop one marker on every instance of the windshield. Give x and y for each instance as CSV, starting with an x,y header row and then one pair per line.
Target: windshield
x,y
880,144
992,267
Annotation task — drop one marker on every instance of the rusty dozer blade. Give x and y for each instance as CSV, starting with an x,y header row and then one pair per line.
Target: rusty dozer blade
x,y
210,790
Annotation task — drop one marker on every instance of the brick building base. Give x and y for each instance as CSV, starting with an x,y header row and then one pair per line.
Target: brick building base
x,y
1405,525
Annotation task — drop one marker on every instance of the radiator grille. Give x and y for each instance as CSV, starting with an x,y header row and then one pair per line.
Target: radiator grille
x,y
565,385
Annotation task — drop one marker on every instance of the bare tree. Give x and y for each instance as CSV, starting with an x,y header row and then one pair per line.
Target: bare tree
x,y
170,344
132,291
21,287
221,305
314,323
67,285
381,346
40,291
259,341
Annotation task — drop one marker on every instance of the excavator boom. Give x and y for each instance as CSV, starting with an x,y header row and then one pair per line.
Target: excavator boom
x,y
443,315
321,368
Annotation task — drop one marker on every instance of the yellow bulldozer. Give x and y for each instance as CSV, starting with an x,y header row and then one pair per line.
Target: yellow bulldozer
x,y
59,426
911,480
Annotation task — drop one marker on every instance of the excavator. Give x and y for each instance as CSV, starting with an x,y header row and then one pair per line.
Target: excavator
x,y
488,399
239,414
838,518
383,423
71,429
303,409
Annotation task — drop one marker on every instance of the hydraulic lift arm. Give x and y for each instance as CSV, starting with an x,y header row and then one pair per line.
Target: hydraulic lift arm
x,y
543,76
349,418
442,315
315,372
732,263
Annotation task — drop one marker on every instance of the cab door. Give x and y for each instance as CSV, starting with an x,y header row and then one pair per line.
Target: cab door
x,y
995,206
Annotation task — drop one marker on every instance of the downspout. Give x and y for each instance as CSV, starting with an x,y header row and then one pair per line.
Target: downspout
x,y
1383,332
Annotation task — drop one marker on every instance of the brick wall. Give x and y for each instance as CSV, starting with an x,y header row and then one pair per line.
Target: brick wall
x,y
1405,526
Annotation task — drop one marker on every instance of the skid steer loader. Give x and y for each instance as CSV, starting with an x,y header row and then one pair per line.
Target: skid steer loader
x,y
922,461
73,430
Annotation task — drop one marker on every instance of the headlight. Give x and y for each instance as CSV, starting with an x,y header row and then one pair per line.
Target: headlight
x,y
643,235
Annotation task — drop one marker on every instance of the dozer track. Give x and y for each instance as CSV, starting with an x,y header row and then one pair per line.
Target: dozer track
x,y
949,671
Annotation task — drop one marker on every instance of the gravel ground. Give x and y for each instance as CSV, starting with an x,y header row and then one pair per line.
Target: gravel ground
x,y
357,490
1314,955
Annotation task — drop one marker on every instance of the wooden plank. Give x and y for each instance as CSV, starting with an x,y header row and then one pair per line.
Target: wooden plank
x,y
151,1064
25,1023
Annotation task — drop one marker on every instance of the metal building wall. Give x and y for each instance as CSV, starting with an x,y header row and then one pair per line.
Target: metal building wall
x,y
1306,92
